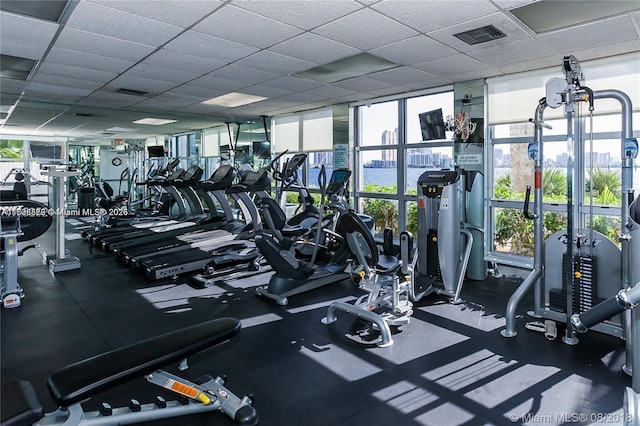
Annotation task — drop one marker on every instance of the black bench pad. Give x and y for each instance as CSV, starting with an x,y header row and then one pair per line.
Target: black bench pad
x,y
81,380
20,405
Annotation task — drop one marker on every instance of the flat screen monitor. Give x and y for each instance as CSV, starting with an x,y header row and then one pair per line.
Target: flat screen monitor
x,y
432,125
242,155
261,150
224,152
155,151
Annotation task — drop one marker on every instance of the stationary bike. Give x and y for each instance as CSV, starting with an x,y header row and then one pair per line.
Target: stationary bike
x,y
292,275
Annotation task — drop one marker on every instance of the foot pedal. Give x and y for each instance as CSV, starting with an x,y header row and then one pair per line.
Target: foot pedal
x,y
105,409
536,326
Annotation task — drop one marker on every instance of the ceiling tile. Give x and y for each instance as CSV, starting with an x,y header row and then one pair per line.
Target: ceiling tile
x,y
305,14
305,98
431,15
77,72
86,59
402,75
291,84
427,84
109,99
498,20
244,74
94,18
239,25
444,67
22,49
27,29
183,13
632,46
223,84
526,65
82,41
171,59
510,4
209,47
380,30
56,80
595,34
414,50
265,91
190,89
160,73
314,48
329,91
275,62
11,86
132,82
363,84
507,53
57,91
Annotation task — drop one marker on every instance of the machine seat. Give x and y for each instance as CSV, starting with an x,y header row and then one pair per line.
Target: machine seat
x,y
388,265
81,380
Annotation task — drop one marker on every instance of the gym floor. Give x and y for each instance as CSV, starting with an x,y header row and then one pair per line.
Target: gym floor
x,y
449,366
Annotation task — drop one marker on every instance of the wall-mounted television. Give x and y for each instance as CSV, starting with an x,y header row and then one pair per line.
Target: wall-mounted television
x,y
242,154
432,125
155,151
224,152
261,150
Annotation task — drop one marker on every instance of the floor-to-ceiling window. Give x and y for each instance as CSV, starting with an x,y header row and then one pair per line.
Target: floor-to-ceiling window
x,y
393,149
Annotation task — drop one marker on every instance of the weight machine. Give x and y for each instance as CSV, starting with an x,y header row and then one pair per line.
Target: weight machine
x,y
589,260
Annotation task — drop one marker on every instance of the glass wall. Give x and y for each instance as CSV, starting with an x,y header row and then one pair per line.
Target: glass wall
x,y
392,153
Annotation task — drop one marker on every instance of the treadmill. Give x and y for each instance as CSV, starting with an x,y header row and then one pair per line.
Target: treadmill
x,y
221,179
220,253
200,222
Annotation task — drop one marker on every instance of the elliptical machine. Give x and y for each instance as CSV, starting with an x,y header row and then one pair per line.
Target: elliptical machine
x,y
293,276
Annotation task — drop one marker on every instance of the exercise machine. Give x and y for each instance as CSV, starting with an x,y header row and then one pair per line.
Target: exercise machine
x,y
441,266
292,275
78,382
21,220
567,276
60,261
386,280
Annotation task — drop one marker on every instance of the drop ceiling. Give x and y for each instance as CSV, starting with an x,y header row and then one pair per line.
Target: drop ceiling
x,y
100,65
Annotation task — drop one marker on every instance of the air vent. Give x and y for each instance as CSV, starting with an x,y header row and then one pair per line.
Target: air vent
x,y
480,35
132,92
108,133
83,114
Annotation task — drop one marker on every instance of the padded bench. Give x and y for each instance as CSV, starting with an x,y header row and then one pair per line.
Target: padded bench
x,y
78,382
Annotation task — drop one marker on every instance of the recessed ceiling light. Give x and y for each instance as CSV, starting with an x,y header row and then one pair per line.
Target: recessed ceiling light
x,y
548,15
154,121
234,99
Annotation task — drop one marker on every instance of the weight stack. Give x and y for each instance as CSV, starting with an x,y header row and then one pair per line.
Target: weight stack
x,y
584,283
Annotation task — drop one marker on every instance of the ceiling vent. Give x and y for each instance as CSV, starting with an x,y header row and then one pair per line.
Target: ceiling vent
x,y
83,114
108,133
480,35
131,92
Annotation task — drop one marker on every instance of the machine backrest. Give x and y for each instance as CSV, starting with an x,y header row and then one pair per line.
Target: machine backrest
x,y
20,187
350,223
